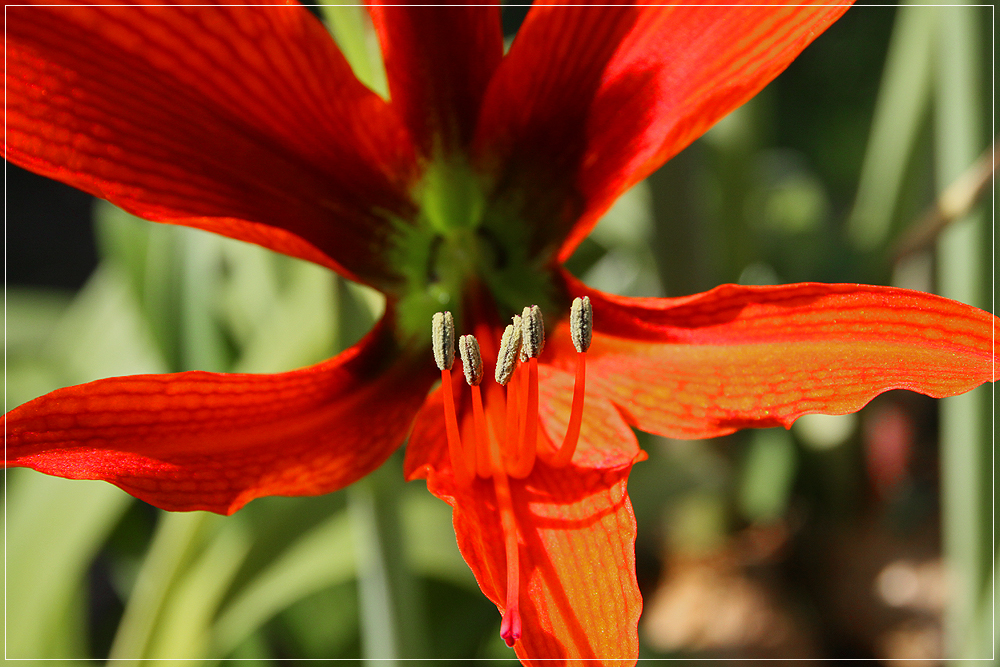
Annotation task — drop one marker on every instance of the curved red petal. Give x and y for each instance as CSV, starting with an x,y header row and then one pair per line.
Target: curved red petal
x,y
737,357
245,121
591,100
579,597
214,441
438,62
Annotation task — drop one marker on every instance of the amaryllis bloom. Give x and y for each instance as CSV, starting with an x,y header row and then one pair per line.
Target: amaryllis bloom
x,y
462,193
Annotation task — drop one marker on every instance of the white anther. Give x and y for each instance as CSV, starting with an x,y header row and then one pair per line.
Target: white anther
x,y
472,360
581,323
443,340
510,348
532,331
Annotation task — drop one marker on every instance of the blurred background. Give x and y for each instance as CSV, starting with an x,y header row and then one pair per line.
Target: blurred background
x,y
863,536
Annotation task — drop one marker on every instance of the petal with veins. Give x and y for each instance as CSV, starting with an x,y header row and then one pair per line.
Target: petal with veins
x,y
738,357
247,122
590,101
215,441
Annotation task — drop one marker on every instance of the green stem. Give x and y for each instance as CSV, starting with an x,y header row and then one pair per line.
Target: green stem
x,y
965,448
900,109
391,614
175,538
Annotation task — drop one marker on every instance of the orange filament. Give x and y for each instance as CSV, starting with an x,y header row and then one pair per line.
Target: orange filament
x,y
463,463
482,439
565,453
523,458
511,431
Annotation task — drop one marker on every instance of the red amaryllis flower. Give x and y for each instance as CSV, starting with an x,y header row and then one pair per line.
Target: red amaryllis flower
x,y
462,193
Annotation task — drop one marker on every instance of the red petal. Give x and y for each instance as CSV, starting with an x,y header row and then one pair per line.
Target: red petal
x,y
589,101
215,441
438,62
245,121
579,596
737,357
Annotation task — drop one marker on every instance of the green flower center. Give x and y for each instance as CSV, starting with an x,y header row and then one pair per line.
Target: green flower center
x,y
463,241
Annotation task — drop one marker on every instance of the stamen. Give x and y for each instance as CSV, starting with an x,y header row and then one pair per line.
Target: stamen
x,y
581,327
532,341
525,460
472,364
463,463
510,348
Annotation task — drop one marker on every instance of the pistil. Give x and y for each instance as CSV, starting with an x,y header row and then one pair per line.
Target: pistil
x,y
510,624
472,363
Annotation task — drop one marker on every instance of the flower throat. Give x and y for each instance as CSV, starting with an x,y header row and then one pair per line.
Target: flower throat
x,y
507,446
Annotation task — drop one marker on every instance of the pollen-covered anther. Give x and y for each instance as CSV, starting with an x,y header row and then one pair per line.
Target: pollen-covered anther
x,y
581,323
532,331
472,359
510,349
443,340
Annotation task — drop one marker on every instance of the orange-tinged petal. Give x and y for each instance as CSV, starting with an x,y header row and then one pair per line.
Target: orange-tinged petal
x,y
439,61
589,101
738,357
245,121
215,441
579,596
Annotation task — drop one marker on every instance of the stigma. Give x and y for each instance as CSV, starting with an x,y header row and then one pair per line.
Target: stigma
x,y
505,439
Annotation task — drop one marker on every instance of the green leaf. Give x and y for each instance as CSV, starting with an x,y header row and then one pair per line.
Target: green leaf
x,y
184,627
299,327
54,529
102,334
900,108
430,538
321,558
32,315
250,291
149,256
174,545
